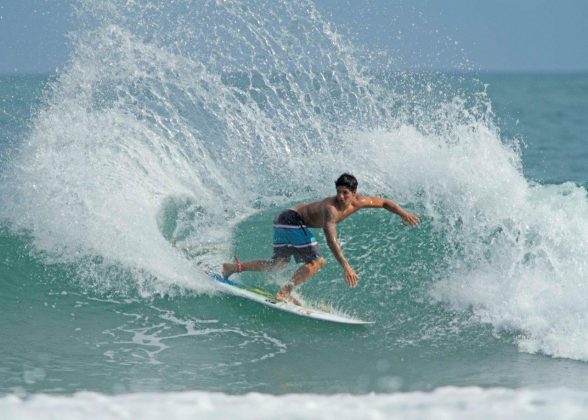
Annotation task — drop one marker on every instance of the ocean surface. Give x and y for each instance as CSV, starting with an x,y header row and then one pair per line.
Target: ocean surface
x,y
171,139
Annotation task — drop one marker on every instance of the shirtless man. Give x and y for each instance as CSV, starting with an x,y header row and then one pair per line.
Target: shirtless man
x,y
291,236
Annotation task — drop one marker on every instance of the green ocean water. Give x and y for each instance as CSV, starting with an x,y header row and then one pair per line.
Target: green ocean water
x,y
122,185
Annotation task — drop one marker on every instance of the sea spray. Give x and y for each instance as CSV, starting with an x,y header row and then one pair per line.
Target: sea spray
x,y
134,124
221,110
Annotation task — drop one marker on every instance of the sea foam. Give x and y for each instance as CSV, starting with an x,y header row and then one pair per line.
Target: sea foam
x,y
447,402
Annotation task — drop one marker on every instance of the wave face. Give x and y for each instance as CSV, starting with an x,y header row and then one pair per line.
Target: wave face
x,y
172,124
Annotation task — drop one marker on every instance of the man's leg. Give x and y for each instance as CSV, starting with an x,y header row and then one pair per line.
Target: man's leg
x,y
255,265
302,275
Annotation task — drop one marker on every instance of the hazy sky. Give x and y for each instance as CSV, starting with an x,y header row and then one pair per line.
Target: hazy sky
x,y
492,35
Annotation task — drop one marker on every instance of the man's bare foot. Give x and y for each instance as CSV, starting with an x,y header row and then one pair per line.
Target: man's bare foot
x,y
287,297
229,269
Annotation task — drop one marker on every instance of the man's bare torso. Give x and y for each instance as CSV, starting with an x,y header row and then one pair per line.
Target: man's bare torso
x,y
313,213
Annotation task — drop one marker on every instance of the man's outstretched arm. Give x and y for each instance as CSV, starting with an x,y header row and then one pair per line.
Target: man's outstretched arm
x,y
391,206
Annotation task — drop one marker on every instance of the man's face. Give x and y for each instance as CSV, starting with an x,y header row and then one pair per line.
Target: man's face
x,y
344,196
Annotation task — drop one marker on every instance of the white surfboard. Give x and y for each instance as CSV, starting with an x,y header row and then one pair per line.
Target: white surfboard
x,y
267,299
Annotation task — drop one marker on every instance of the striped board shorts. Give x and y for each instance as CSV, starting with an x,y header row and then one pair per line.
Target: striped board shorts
x,y
291,237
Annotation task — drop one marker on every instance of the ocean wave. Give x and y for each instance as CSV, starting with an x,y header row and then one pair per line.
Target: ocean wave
x,y
172,124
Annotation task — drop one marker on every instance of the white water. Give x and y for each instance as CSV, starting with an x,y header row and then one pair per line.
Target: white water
x,y
516,252
443,403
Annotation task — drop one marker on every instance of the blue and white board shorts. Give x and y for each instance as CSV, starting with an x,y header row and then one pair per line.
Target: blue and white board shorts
x,y
291,237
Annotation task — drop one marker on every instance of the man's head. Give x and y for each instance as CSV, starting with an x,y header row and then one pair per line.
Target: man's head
x,y
346,186
348,181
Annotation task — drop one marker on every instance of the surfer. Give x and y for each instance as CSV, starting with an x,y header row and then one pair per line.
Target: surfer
x,y
291,236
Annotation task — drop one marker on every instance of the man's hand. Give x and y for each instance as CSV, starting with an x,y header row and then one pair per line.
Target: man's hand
x,y
410,219
350,276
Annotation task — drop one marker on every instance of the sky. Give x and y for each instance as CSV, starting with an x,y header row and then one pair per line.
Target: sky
x,y
479,35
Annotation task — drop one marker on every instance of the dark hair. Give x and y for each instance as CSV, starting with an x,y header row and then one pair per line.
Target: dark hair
x,y
348,181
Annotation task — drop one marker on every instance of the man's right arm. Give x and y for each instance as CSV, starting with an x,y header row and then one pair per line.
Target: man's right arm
x,y
330,229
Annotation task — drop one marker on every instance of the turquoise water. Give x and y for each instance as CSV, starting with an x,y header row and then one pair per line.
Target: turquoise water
x,y
547,112
123,184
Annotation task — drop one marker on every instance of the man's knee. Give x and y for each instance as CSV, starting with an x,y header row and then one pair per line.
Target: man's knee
x,y
317,264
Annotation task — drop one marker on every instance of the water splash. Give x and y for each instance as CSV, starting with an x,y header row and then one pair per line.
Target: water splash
x,y
204,110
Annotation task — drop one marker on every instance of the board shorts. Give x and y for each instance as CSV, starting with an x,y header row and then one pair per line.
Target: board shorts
x,y
291,237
